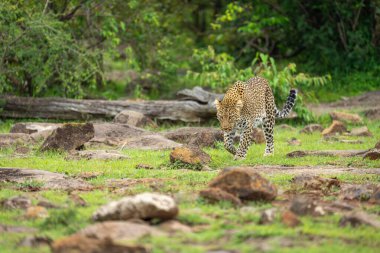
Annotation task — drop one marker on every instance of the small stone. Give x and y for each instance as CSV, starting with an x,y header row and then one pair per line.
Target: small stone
x,y
245,184
105,155
303,206
311,128
78,200
286,127
88,175
357,192
372,155
213,195
268,216
336,127
189,155
35,212
173,226
21,202
377,146
308,182
258,136
289,219
35,241
375,198
134,118
294,142
361,131
47,204
346,117
69,137
357,218
144,206
144,166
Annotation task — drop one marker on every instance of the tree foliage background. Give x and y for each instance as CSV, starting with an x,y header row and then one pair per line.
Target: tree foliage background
x,y
152,48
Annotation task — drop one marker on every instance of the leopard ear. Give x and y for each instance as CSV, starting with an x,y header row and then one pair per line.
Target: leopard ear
x,y
217,104
239,104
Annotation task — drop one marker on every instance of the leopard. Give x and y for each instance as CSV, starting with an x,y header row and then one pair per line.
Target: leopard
x,y
248,105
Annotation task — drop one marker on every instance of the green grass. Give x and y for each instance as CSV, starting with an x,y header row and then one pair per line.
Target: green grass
x,y
219,226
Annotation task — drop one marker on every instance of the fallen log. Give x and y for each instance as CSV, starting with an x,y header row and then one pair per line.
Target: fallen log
x,y
75,109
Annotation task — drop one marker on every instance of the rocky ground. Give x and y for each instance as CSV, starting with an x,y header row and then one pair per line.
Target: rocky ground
x,y
133,186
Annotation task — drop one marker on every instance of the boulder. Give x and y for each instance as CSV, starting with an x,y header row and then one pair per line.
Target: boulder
x,y
336,127
361,131
134,118
357,218
196,136
149,142
245,184
14,139
49,180
144,206
290,219
346,117
97,155
83,244
311,128
69,137
189,155
372,155
213,195
16,202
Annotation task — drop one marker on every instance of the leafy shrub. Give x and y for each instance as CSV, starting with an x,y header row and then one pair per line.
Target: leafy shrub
x,y
219,71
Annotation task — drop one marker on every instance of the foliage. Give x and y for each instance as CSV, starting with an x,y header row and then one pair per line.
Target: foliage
x,y
219,71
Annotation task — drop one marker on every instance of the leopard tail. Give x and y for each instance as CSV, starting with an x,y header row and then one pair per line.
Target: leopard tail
x,y
288,105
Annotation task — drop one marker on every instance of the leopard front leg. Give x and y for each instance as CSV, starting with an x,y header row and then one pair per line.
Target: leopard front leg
x,y
229,142
245,142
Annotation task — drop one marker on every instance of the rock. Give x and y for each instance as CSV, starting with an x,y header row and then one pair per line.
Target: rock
x,y
142,206
357,192
357,218
113,134
128,182
189,155
83,244
336,127
346,117
339,206
14,139
351,141
47,204
377,146
290,219
294,142
69,137
336,153
310,182
88,175
258,136
16,229
375,198
78,200
22,150
49,180
173,226
21,202
35,212
149,142
144,166
311,128
303,206
268,216
373,113
195,136
361,131
134,118
372,155
34,127
97,155
120,230
213,195
35,241
245,184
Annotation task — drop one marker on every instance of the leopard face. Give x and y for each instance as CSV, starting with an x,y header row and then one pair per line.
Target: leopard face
x,y
228,114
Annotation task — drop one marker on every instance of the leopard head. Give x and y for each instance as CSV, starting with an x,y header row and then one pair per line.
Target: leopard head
x,y
228,113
